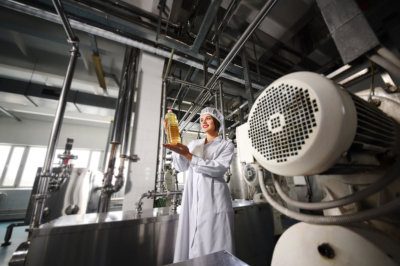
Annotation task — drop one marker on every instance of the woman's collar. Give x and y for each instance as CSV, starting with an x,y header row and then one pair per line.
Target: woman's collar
x,y
217,139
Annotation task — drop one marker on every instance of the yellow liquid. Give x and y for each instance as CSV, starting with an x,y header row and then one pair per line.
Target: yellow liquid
x,y
173,136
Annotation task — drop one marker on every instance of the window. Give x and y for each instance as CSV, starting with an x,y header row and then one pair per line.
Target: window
x,y
19,164
4,152
13,166
95,160
34,160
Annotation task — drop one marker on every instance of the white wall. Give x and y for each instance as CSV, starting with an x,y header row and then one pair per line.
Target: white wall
x,y
142,174
37,132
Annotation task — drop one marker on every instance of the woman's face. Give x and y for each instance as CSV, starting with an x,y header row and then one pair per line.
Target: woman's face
x,y
207,123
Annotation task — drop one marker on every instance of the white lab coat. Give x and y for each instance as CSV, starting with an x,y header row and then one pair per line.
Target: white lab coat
x,y
206,219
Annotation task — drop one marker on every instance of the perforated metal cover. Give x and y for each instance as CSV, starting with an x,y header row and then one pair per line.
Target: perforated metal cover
x,y
301,124
283,120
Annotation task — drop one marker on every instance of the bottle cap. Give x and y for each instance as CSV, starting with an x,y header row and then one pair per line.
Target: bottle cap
x,y
169,111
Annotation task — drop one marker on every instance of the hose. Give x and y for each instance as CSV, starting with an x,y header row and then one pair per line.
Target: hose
x,y
389,177
329,220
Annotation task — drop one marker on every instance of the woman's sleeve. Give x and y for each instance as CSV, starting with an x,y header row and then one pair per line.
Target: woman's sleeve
x,y
179,162
216,167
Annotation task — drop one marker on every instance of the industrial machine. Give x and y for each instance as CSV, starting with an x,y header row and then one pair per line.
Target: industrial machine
x,y
304,124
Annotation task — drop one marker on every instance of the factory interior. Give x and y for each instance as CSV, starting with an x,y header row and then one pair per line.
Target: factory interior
x,y
305,97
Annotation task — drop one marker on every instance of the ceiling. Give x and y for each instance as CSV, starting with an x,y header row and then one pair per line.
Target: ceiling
x,y
293,37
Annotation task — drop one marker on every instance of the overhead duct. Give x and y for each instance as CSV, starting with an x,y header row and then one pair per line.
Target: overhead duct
x,y
305,124
349,29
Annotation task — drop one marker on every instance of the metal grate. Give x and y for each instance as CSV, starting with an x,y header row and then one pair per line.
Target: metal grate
x,y
282,121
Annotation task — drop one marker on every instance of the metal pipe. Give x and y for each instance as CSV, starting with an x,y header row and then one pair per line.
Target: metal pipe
x,y
78,25
243,105
130,98
206,24
152,194
383,62
121,101
230,11
107,148
161,150
67,27
235,49
187,77
124,109
389,55
41,195
221,103
106,190
246,76
186,83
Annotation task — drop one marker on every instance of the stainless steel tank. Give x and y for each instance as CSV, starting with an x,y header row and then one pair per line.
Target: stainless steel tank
x,y
237,186
122,238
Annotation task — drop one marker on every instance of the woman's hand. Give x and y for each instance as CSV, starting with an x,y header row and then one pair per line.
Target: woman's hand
x,y
180,149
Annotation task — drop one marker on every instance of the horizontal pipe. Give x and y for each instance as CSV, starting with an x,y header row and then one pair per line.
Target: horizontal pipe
x,y
78,25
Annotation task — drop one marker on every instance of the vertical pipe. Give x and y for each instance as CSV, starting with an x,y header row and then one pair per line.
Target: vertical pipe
x,y
231,55
247,80
40,197
161,152
121,101
104,164
107,187
221,104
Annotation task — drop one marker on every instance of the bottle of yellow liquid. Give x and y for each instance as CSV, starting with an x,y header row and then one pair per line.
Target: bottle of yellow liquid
x,y
172,128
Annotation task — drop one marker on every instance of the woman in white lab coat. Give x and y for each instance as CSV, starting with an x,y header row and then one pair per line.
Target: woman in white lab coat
x,y
206,218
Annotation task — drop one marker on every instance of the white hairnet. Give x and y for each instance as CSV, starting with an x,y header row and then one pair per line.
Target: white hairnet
x,y
214,113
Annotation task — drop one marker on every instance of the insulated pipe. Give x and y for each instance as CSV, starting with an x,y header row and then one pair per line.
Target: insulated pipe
x,y
389,55
339,219
235,49
384,63
41,194
349,199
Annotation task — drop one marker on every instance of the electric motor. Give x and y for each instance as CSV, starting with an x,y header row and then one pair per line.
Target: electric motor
x,y
305,124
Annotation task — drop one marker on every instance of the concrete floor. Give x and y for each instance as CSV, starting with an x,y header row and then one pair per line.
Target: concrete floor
x,y
19,235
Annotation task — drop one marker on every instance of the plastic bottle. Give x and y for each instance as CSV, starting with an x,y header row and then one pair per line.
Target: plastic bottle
x,y
172,128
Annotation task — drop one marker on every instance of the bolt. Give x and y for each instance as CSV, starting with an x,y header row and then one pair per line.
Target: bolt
x,y
325,250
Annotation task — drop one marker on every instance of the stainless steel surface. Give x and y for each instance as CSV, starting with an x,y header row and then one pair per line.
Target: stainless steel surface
x,y
237,185
77,194
224,64
121,238
122,129
155,194
221,258
40,197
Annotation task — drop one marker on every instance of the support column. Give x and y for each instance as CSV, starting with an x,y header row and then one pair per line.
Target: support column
x,y
142,174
